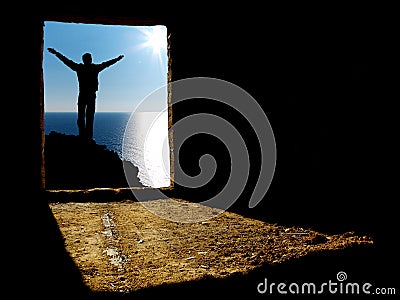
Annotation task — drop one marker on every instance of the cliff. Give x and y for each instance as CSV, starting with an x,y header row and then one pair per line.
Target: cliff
x,y
73,163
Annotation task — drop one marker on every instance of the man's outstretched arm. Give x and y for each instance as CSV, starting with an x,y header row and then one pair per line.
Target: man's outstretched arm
x,y
110,62
64,59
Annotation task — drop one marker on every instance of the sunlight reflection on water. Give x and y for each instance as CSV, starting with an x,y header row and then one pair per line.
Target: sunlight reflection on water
x,y
146,145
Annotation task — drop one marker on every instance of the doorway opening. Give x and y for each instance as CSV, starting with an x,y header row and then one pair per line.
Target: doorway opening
x,y
130,126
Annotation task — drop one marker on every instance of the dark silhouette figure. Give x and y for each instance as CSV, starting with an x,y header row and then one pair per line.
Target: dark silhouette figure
x,y
88,85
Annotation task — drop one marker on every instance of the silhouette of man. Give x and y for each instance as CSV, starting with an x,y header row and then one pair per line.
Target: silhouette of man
x,y
87,73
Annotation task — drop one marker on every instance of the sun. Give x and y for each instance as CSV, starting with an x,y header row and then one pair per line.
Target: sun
x,y
155,37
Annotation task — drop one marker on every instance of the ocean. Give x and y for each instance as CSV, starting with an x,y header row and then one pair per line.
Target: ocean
x,y
141,138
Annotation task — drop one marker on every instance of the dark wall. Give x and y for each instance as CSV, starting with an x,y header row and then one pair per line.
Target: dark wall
x,y
323,79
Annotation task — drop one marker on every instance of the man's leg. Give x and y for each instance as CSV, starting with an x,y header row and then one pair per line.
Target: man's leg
x,y
90,110
81,119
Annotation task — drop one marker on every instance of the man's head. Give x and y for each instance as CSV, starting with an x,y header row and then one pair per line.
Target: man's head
x,y
87,58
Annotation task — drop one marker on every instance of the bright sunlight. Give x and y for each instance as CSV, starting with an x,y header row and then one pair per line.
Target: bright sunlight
x,y
156,39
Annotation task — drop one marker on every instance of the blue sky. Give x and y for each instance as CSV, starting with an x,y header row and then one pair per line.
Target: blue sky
x,y
123,85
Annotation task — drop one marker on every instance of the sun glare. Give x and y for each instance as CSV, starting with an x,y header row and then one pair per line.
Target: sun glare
x,y
156,39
